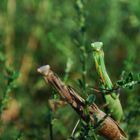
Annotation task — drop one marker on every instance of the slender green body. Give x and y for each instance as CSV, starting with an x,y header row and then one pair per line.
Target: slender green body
x,y
112,99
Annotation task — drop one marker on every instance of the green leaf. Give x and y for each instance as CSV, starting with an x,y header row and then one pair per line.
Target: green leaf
x,y
130,77
90,100
120,83
80,83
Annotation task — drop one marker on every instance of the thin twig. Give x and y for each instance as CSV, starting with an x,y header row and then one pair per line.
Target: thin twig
x,y
75,127
51,131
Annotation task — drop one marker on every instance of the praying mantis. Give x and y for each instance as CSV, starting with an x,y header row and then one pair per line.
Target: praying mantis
x,y
112,99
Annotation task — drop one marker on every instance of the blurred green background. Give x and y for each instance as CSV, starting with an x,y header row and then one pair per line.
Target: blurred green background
x,y
38,32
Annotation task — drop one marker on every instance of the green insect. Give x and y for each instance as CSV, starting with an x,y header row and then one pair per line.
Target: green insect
x,y
111,99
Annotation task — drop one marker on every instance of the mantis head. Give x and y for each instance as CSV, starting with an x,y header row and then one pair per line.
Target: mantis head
x,y
97,46
44,70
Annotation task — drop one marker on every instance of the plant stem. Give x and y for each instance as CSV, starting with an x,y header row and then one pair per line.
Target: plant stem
x,y
81,41
51,126
75,127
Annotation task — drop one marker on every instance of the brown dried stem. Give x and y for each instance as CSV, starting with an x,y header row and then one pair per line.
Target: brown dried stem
x,y
109,128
